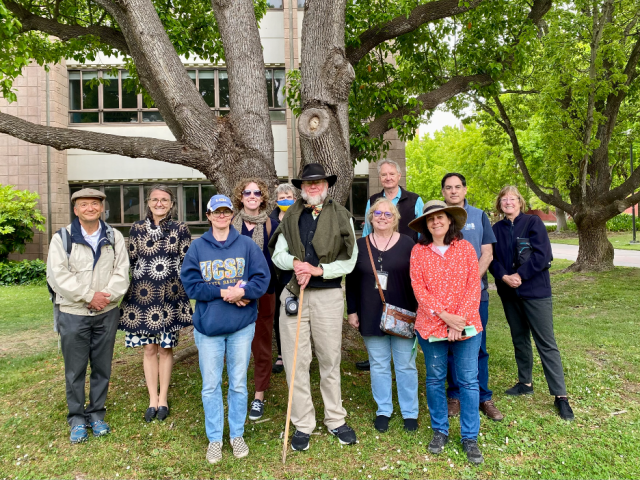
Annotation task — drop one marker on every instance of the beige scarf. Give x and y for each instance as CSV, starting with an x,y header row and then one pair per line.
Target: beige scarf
x,y
258,231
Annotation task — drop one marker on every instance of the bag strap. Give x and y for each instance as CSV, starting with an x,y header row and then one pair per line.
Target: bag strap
x,y
375,273
66,240
526,226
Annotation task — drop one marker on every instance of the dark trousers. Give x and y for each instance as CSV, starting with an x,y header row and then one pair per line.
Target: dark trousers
x,y
535,317
84,340
483,362
261,344
276,318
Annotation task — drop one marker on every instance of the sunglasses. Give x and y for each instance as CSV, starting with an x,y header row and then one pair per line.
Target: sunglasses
x,y
378,213
256,193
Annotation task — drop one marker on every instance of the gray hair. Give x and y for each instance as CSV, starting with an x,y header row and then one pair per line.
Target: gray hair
x,y
386,161
286,188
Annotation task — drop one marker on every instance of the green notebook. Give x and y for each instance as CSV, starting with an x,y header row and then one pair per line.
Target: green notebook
x,y
469,331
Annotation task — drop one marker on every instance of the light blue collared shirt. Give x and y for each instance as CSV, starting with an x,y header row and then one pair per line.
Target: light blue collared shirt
x,y
367,226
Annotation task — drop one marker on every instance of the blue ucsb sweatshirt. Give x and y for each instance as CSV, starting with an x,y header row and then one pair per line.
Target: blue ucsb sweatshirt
x,y
210,266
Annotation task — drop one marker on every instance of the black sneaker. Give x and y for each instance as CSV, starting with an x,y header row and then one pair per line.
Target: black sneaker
x,y
345,434
257,409
473,452
520,389
364,365
300,441
437,443
411,424
382,423
564,409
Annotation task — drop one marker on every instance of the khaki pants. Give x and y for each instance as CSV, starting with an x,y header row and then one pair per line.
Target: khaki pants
x,y
322,314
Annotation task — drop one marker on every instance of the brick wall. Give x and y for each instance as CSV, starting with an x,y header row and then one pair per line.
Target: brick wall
x,y
24,165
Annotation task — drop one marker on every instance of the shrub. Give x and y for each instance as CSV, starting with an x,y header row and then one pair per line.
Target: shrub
x,y
18,217
23,273
620,223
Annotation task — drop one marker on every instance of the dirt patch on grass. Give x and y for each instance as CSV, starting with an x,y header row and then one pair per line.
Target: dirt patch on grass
x,y
28,342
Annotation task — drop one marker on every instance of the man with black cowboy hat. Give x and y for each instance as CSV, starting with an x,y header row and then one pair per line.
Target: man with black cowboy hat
x,y
314,246
88,270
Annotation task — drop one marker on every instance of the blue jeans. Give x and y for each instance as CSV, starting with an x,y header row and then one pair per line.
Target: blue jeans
x,y
380,350
465,356
483,363
212,350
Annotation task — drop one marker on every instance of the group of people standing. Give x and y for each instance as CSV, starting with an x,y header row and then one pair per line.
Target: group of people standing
x,y
246,274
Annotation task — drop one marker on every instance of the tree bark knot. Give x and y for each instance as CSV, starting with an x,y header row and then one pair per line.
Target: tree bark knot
x,y
338,75
314,122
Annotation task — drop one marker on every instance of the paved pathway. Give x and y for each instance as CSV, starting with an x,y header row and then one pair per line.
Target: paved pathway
x,y
622,258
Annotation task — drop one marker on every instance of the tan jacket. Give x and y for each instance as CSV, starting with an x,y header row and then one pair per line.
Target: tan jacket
x,y
76,280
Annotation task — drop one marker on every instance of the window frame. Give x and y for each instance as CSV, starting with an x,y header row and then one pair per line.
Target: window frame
x,y
141,108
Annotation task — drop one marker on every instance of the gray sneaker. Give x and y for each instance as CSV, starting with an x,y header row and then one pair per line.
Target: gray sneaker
x,y
214,452
240,449
437,443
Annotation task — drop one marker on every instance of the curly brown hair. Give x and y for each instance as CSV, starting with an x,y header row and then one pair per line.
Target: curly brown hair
x,y
237,193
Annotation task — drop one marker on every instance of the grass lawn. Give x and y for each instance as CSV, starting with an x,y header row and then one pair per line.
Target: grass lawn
x,y
618,240
596,322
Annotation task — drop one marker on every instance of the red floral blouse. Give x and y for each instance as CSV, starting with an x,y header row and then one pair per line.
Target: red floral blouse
x,y
448,281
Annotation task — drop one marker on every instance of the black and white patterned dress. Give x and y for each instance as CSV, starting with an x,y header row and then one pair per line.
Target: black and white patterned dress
x,y
156,306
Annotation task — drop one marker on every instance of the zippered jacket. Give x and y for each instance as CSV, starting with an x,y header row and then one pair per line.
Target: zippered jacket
x,y
534,273
77,278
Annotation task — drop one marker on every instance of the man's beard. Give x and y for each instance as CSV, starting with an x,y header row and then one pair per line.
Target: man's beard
x,y
315,200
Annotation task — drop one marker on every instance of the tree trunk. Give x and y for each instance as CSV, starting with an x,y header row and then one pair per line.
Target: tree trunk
x,y
596,251
561,219
327,76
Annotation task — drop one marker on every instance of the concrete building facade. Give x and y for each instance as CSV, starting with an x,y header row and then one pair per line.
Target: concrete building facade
x,y
67,96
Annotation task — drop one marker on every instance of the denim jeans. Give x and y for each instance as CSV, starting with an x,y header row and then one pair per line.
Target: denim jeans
x,y
483,363
465,357
380,351
212,350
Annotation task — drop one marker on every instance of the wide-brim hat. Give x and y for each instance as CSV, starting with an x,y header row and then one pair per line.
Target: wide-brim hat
x,y
313,171
459,215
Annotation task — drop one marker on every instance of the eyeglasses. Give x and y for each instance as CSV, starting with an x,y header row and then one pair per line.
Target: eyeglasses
x,y
164,201
256,193
221,213
378,213
505,200
313,182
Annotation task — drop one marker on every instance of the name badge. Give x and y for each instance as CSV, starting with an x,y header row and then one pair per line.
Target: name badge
x,y
382,278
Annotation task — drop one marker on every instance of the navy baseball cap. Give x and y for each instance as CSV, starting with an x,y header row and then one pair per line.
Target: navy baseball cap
x,y
219,201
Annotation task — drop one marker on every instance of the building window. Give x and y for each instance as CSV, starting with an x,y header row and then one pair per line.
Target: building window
x,y
275,4
125,204
114,100
357,201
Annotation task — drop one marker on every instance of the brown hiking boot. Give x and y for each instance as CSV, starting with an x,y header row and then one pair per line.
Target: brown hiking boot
x,y
491,411
453,405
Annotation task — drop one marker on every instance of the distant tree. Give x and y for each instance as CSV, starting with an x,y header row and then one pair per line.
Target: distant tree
x,y
579,92
18,218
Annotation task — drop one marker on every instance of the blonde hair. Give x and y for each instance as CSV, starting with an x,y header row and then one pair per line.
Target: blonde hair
x,y
510,189
237,193
392,208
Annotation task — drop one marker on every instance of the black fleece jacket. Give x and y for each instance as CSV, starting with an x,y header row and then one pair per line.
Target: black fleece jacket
x,y
535,272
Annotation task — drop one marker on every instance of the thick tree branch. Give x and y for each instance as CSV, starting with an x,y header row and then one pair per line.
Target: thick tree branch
x,y
505,122
134,147
420,15
31,22
624,189
430,100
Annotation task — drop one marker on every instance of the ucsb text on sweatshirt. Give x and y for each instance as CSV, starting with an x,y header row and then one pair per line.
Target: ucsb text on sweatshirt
x,y
211,266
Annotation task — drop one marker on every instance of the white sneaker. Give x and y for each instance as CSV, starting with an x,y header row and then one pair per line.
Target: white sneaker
x,y
214,452
240,449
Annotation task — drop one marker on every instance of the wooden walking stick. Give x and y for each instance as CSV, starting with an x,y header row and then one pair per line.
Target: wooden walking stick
x,y
293,377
